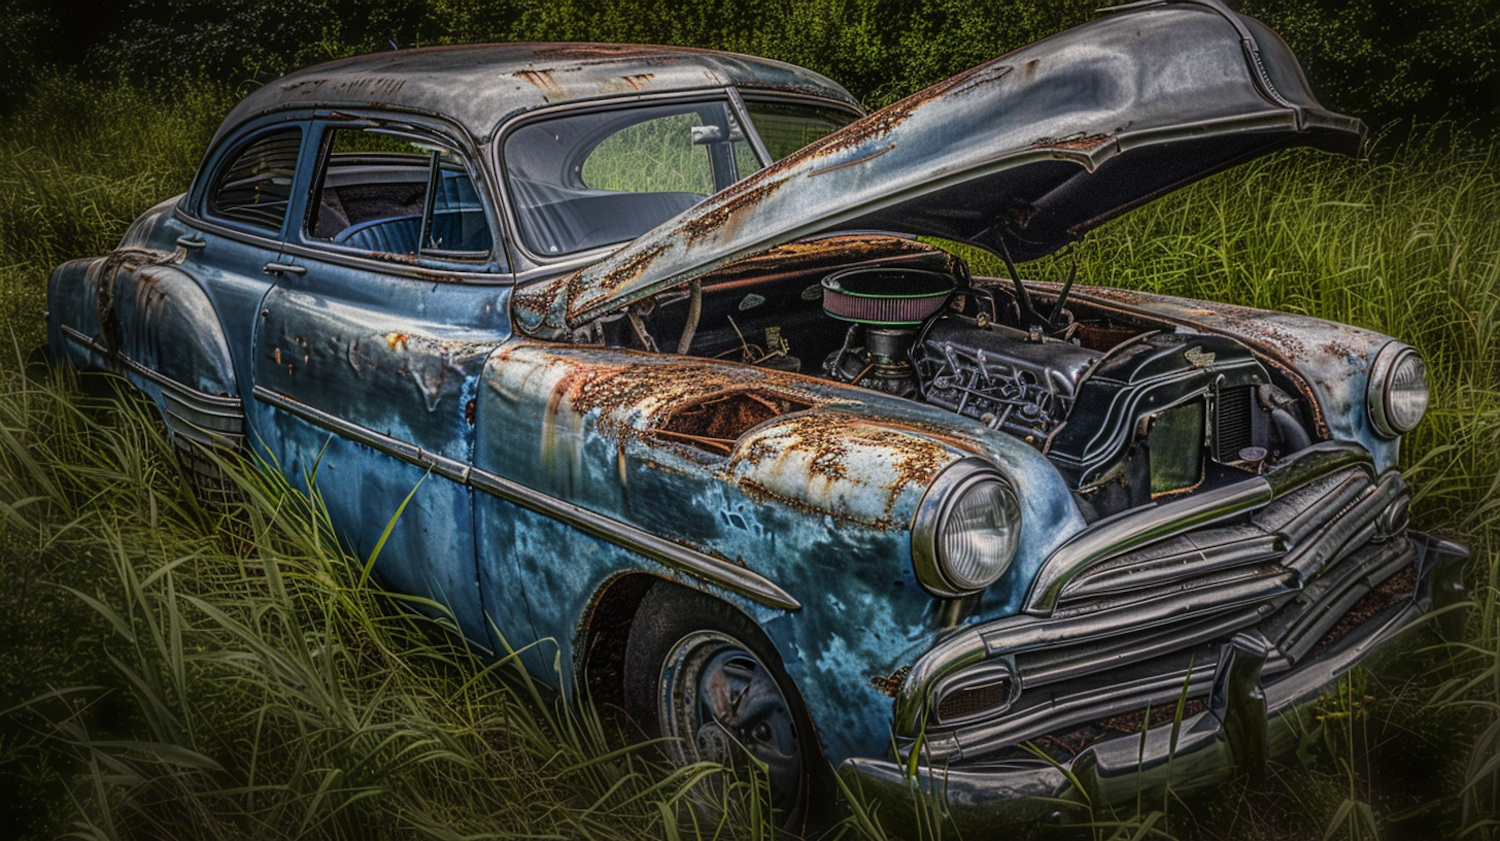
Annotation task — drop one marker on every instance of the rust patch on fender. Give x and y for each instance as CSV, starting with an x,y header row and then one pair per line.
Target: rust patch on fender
x,y
123,259
717,421
660,392
828,440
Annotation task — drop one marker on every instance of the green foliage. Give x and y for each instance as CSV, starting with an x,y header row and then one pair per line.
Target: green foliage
x,y
1391,60
268,691
1386,61
77,166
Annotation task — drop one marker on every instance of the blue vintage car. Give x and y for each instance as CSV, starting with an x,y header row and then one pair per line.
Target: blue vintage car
x,y
642,344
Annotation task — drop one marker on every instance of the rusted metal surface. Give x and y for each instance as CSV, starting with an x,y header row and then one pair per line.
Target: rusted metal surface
x,y
481,86
813,479
1078,143
1022,155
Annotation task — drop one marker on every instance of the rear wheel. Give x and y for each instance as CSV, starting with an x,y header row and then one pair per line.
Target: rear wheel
x,y
701,674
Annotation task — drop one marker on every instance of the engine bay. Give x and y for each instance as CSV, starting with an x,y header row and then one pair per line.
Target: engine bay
x,y
1128,410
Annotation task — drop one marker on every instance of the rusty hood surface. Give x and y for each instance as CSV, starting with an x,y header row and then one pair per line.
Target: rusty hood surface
x,y
1024,153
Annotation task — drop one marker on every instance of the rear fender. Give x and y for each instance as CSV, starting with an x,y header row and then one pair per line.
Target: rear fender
x,y
137,314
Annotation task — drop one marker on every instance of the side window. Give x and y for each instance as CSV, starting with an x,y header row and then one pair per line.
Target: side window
x,y
396,194
254,187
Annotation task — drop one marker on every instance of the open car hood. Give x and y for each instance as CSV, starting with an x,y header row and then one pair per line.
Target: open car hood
x,y
1024,153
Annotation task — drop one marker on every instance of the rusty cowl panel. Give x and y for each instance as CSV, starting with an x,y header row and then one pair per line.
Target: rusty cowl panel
x,y
1332,360
1028,151
814,257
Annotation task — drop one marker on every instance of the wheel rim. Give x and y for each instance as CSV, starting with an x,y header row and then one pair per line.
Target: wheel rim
x,y
719,702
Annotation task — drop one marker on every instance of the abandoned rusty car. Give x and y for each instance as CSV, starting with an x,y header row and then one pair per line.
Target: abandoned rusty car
x,y
649,338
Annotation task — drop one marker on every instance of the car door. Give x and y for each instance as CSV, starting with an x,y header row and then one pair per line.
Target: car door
x,y
390,294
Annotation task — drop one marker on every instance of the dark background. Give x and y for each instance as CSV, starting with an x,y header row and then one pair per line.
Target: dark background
x,y
1394,64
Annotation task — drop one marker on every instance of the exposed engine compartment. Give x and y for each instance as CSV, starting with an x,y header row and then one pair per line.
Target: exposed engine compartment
x,y
1127,410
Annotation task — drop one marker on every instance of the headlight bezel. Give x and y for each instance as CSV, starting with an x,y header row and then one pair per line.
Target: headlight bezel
x,y
1383,374
951,486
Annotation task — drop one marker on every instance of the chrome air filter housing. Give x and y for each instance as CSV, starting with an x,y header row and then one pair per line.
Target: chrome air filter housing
x,y
885,297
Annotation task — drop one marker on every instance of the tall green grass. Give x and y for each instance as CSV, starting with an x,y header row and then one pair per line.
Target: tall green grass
x,y
266,691
171,673
78,165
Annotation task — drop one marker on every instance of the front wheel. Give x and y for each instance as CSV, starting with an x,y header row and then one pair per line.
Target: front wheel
x,y
701,674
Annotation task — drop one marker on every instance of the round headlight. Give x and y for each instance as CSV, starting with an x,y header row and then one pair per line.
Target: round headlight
x,y
1398,389
966,529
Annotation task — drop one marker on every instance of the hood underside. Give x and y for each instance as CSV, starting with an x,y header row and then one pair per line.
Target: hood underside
x,y
1024,154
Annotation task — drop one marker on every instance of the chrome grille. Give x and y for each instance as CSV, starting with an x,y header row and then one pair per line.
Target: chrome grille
x,y
1139,627
1233,419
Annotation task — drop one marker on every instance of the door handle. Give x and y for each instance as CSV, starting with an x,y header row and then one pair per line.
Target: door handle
x,y
188,242
283,268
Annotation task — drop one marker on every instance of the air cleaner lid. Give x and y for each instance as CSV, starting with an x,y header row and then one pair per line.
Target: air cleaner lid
x,y
885,297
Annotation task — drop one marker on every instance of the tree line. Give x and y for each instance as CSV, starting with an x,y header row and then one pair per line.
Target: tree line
x,y
1386,61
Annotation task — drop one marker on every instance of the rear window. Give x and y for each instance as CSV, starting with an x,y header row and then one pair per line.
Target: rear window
x,y
254,188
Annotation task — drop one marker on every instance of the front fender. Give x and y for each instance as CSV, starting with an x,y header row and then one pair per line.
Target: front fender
x,y
818,499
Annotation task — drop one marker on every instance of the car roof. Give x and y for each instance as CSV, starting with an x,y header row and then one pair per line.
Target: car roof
x,y
480,86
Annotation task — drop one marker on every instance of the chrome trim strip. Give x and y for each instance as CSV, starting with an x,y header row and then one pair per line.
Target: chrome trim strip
x,y
206,225
440,465
1043,667
716,571
1067,711
1135,528
425,273
185,393
1138,527
1318,460
1112,580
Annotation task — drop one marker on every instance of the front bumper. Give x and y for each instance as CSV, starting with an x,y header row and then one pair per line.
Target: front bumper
x,y
1247,722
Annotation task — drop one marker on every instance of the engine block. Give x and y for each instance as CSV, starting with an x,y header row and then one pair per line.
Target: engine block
x,y
999,376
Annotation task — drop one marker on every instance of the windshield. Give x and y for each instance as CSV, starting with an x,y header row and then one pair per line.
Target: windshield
x,y
601,177
585,180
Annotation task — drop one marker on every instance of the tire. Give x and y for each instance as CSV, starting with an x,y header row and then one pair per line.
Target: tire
x,y
702,675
